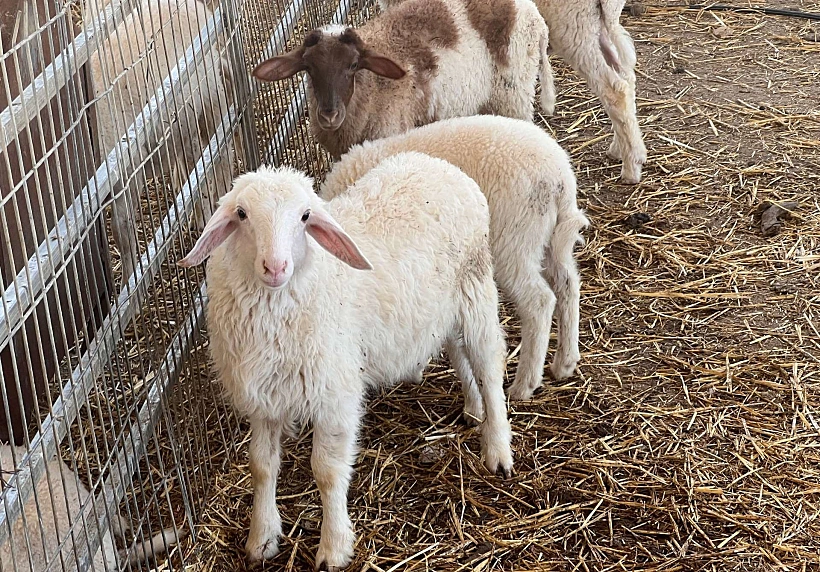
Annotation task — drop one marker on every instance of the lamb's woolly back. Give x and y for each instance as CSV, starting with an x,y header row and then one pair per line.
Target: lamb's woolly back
x,y
535,220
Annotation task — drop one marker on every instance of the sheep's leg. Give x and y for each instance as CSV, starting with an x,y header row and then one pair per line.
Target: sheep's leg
x,y
334,451
562,274
123,223
613,83
534,302
486,351
473,402
616,90
619,103
266,524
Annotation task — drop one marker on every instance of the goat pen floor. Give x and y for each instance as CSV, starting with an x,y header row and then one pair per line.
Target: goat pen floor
x,y
689,438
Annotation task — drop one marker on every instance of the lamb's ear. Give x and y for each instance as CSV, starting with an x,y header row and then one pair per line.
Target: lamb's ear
x,y
280,67
335,240
381,65
223,222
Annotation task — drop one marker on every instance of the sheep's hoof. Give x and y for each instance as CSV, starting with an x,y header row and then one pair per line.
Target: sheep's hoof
x,y
563,368
506,471
520,391
614,152
498,459
324,566
631,176
262,551
335,555
501,467
470,419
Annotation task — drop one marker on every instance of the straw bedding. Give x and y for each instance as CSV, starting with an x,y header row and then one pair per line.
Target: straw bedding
x,y
689,440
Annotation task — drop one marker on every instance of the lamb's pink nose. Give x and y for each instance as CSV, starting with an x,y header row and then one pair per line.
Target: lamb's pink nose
x,y
275,269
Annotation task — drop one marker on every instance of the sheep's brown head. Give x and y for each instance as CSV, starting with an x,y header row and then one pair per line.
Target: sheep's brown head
x,y
332,56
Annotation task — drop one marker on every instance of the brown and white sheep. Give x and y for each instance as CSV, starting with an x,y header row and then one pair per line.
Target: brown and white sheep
x,y
423,61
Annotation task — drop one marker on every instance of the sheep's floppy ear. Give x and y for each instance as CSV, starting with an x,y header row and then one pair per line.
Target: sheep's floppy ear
x,y
220,227
335,240
280,67
381,65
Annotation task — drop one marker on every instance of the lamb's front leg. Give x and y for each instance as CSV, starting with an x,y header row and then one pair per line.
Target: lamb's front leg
x,y
266,524
334,451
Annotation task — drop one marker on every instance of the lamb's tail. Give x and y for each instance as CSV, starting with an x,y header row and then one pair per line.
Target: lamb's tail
x,y
614,42
158,545
611,12
569,224
547,101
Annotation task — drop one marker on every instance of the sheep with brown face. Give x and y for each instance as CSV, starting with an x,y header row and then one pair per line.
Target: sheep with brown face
x,y
423,61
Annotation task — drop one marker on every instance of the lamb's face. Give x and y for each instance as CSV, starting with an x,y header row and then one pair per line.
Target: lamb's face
x,y
332,57
270,212
267,212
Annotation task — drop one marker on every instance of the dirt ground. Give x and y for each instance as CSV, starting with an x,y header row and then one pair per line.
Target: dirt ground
x,y
689,439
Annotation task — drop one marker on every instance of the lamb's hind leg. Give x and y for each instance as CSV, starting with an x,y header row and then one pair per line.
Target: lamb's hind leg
x,y
607,62
562,273
486,352
473,402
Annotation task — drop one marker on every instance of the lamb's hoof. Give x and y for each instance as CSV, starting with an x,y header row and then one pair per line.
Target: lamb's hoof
x,y
507,472
614,152
324,566
631,176
266,550
632,168
335,556
501,466
521,391
498,456
563,368
470,419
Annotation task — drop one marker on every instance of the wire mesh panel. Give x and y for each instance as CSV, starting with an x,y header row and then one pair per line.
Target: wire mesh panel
x,y
122,122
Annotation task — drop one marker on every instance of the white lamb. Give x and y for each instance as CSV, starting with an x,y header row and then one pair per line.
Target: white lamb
x,y
298,332
125,72
589,36
534,224
423,61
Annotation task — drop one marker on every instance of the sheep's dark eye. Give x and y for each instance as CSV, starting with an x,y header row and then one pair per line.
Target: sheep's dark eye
x,y
306,216
240,212
354,66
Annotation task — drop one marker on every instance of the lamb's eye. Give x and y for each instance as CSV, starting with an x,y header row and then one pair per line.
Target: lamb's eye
x,y
306,215
354,66
240,212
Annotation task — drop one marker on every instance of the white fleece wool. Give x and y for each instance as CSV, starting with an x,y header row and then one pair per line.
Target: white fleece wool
x,y
534,222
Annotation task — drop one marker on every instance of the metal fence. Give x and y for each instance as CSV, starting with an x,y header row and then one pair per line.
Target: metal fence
x,y
121,123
